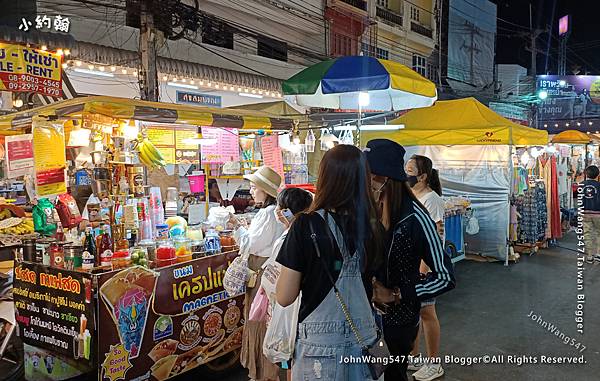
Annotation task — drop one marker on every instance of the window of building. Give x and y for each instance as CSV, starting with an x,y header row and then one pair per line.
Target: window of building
x,y
343,45
217,34
369,50
419,64
415,14
383,3
270,48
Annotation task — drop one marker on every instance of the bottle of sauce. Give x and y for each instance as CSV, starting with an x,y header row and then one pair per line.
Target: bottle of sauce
x,y
89,250
105,248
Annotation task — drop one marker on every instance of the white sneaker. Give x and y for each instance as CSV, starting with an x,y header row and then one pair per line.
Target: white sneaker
x,y
415,363
429,372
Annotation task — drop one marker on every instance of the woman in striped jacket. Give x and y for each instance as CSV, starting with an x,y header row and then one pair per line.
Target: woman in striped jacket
x,y
399,288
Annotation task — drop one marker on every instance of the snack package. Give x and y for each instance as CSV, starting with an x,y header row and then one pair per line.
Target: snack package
x,y
69,215
44,221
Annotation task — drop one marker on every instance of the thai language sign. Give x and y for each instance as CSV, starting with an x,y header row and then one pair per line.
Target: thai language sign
x,y
54,309
198,99
19,155
160,324
226,149
172,143
272,155
30,70
49,157
568,97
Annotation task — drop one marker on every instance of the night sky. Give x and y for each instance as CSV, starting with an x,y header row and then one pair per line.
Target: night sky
x,y
583,48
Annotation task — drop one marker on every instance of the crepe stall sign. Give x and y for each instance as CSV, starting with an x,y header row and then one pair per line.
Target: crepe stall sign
x,y
128,297
163,349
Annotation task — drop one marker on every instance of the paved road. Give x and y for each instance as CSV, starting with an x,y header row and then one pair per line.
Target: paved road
x,y
487,314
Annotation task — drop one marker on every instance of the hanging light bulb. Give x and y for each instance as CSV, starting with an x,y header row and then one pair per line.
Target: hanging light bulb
x,y
78,63
44,47
183,80
59,52
165,77
124,71
113,68
91,67
65,65
101,68
67,52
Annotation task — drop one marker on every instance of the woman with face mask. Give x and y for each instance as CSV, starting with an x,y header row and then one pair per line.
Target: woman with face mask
x,y
399,288
258,240
425,183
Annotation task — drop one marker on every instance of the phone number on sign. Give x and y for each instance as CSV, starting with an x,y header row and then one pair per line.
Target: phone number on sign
x,y
34,87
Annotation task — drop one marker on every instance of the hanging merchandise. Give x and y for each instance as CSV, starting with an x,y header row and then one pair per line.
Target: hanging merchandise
x,y
347,137
44,219
68,212
309,142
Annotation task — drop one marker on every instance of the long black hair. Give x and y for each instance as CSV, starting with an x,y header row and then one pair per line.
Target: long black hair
x,y
425,166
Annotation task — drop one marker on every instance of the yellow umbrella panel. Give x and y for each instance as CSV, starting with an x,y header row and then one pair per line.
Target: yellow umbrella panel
x,y
459,122
572,137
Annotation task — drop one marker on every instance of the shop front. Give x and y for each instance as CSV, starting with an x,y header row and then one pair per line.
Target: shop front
x,y
118,269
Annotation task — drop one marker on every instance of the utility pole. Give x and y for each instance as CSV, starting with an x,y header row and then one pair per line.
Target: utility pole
x,y
534,34
148,76
473,30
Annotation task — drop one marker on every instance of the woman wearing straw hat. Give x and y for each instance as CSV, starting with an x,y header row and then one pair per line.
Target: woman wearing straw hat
x,y
258,240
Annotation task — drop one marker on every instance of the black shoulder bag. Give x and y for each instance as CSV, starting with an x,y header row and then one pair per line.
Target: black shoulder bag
x,y
378,351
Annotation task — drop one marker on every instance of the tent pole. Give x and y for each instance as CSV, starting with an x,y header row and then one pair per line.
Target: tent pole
x,y
510,193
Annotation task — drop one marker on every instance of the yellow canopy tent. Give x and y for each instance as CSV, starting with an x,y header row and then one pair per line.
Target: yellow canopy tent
x,y
572,137
459,122
147,111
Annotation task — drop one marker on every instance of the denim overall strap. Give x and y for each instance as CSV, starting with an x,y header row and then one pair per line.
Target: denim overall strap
x,y
325,337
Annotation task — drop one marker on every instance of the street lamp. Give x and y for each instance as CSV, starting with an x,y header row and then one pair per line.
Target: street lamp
x,y
543,94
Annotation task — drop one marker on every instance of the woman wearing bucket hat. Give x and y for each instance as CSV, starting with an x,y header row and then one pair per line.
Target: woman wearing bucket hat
x,y
258,240
399,288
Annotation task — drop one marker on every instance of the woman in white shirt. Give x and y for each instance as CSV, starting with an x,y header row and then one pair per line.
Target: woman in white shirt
x,y
258,240
425,183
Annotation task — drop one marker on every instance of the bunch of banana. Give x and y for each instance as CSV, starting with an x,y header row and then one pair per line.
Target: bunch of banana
x,y
149,155
5,213
25,226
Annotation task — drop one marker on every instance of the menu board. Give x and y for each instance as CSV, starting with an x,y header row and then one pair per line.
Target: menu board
x,y
30,70
169,140
54,309
19,155
182,318
49,157
226,149
272,155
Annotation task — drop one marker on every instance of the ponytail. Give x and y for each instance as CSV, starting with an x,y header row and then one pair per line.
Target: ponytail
x,y
434,181
425,166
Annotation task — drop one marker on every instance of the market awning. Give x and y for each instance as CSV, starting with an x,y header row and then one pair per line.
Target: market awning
x,y
459,122
572,137
149,112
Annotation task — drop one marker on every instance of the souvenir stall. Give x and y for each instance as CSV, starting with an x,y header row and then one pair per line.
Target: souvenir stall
x,y
121,286
471,146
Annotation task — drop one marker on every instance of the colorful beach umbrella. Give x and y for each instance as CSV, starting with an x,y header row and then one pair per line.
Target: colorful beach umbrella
x,y
337,83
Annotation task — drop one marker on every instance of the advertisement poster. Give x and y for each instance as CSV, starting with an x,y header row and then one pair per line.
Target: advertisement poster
x,y
159,324
569,97
227,147
170,142
49,157
272,155
54,310
19,155
30,70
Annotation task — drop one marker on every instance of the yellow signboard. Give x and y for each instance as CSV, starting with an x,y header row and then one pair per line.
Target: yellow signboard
x,y
30,70
49,158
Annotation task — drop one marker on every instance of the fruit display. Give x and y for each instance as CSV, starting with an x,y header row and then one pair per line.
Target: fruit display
x,y
15,225
149,155
139,256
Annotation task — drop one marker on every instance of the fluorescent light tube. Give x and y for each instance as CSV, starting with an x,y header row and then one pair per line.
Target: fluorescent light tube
x,y
93,72
249,95
372,127
183,85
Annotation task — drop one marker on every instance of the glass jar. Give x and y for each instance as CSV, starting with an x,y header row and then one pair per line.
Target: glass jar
x,y
227,241
73,258
194,232
183,249
150,247
165,254
198,249
139,256
121,259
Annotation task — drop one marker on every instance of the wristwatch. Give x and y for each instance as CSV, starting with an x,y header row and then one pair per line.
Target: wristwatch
x,y
397,295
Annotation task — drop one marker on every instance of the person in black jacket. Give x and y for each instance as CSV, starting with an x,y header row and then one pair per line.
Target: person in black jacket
x,y
399,288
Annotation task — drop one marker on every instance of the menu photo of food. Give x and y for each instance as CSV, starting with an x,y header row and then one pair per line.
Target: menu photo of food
x,y
128,297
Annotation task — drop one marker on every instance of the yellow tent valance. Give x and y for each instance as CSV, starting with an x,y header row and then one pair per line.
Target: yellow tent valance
x,y
148,111
459,122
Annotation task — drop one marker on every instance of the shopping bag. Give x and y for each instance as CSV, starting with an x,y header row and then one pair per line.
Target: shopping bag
x,y
280,337
270,274
259,306
236,275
